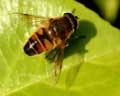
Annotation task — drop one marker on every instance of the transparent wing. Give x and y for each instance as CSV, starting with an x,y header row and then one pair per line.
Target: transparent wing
x,y
33,19
73,72
50,55
58,61
56,56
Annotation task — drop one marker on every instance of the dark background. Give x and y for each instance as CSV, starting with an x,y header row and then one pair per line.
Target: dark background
x,y
91,4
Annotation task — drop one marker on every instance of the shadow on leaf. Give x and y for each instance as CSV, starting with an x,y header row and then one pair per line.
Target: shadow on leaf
x,y
78,45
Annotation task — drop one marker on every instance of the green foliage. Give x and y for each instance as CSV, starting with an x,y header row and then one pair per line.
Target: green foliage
x,y
91,65
109,8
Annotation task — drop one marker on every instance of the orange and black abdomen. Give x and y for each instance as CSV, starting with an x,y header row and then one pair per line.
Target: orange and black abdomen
x,y
54,35
38,43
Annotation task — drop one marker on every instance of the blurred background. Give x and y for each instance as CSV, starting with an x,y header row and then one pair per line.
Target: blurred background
x,y
107,9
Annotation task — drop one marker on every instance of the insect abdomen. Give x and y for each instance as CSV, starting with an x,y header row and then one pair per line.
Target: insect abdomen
x,y
38,43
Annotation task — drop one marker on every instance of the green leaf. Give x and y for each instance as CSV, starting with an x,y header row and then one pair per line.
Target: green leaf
x,y
91,65
109,8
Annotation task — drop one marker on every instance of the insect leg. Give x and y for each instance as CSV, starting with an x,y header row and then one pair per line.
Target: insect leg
x,y
77,37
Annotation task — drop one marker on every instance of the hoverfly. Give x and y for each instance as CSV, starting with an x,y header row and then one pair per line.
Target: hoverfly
x,y
51,37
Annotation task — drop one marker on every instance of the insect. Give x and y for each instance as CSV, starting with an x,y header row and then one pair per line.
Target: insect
x,y
51,37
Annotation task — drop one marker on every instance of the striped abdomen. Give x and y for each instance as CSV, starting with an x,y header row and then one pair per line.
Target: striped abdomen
x,y
54,35
38,43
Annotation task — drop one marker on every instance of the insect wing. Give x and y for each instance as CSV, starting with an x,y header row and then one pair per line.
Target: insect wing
x,y
50,55
73,72
32,19
58,61
56,56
